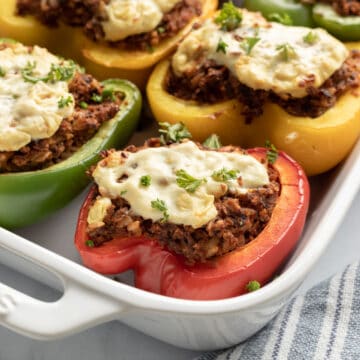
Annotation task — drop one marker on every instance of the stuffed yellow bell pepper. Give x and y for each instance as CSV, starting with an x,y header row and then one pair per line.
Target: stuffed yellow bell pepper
x,y
111,39
250,81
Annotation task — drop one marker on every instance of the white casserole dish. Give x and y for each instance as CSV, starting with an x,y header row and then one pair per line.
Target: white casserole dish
x,y
89,298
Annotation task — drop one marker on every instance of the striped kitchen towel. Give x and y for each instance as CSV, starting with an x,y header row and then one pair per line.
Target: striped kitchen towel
x,y
324,323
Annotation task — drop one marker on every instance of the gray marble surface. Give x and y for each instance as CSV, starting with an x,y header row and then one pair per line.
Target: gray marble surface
x,y
114,340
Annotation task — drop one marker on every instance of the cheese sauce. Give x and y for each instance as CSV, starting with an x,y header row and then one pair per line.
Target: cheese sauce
x,y
263,55
131,17
29,110
119,176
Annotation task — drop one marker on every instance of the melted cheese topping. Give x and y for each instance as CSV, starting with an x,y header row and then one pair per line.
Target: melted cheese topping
x,y
283,59
118,176
29,111
130,17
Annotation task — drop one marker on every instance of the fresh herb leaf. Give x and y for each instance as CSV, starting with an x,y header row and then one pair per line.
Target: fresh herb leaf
x,y
221,46
2,72
229,18
57,72
224,175
65,101
89,243
310,38
63,72
27,72
188,182
283,18
173,133
272,152
145,180
253,286
108,94
212,142
122,193
286,51
96,98
161,206
83,105
160,29
248,43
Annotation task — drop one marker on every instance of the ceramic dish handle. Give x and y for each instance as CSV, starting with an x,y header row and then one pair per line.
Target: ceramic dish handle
x,y
80,307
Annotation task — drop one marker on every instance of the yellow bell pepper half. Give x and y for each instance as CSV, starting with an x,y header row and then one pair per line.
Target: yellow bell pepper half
x,y
104,61
29,31
317,144
100,60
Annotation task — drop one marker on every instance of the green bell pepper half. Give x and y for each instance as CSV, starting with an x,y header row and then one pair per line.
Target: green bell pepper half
x,y
346,28
27,197
300,14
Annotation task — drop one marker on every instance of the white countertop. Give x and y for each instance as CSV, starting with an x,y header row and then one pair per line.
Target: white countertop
x,y
115,340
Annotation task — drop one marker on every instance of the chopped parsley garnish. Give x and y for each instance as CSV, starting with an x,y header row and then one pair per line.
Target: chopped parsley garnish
x,y
57,72
286,51
161,206
188,182
2,72
224,175
248,43
160,29
145,180
65,101
89,243
283,18
272,152
83,104
310,38
221,46
122,193
173,133
96,98
212,142
253,286
108,94
27,72
229,18
61,72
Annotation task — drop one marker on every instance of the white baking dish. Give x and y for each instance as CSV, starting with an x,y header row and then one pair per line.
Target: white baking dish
x,y
89,298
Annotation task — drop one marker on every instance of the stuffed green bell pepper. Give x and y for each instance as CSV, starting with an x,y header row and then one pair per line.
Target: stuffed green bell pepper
x,y
340,18
289,12
55,120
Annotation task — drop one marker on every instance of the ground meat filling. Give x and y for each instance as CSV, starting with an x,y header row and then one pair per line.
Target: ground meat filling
x,y
74,131
170,25
51,12
342,7
240,219
90,14
211,83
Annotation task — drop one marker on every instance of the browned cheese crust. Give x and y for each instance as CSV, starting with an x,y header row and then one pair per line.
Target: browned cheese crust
x,y
90,13
239,220
211,83
74,131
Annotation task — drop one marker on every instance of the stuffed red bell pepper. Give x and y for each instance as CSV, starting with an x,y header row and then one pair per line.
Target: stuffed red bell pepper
x,y
192,221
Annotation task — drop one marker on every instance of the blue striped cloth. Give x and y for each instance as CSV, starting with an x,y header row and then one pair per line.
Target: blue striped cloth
x,y
324,323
